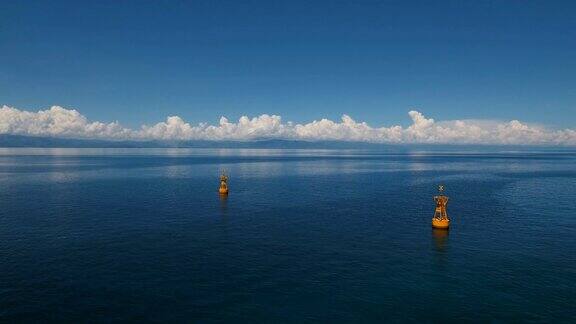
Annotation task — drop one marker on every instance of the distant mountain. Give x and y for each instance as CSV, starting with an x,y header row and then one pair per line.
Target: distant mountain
x,y
53,142
32,141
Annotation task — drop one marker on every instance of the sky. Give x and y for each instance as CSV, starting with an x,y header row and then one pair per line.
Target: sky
x,y
137,63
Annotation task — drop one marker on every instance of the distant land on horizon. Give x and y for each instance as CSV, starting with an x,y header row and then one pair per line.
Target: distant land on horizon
x,y
21,141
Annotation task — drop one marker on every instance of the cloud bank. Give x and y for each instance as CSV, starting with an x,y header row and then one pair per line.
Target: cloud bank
x,y
61,122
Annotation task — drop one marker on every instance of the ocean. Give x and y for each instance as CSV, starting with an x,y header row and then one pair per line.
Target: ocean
x,y
305,236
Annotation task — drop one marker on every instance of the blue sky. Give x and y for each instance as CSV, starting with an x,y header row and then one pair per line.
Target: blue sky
x,y
138,62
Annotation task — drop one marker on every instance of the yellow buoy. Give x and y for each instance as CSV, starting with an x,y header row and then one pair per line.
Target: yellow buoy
x,y
223,190
440,219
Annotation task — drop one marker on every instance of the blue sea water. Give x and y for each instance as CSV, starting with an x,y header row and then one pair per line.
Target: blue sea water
x,y
305,236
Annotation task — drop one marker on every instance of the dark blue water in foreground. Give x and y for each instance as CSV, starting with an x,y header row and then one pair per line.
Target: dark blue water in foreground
x,y
305,236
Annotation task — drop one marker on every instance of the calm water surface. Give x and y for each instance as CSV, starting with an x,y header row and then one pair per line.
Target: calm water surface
x,y
305,236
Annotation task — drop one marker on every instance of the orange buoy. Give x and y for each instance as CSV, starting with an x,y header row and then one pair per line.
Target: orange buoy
x,y
440,219
223,190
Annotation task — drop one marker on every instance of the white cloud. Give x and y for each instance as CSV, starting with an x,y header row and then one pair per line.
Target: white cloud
x,y
61,122
56,121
